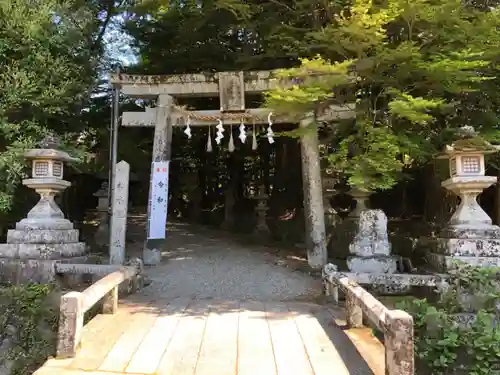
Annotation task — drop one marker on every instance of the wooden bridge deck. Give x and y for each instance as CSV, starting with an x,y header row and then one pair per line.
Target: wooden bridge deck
x,y
206,337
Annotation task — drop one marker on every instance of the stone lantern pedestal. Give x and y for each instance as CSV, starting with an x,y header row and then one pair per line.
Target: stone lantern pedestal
x,y
362,201
470,235
45,236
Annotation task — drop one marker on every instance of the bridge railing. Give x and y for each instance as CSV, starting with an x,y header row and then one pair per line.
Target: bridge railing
x,y
396,325
74,305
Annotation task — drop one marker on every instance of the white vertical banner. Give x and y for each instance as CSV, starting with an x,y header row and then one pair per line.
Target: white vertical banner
x,y
159,200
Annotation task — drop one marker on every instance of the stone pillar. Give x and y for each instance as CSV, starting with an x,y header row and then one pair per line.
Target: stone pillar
x,y
101,235
313,196
261,229
162,150
399,344
119,213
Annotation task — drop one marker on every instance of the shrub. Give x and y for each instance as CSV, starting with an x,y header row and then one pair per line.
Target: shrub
x,y
443,346
28,321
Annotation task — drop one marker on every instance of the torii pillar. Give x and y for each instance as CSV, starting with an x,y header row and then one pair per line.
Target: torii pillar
x,y
317,252
162,151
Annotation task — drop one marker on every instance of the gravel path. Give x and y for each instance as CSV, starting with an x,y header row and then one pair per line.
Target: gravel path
x,y
200,265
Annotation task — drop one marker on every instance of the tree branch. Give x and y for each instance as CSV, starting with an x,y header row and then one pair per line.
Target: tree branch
x,y
104,26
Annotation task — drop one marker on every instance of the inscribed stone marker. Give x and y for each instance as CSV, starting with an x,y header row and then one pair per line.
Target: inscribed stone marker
x,y
119,213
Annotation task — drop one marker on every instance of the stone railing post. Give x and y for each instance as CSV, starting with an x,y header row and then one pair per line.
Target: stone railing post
x,y
354,311
398,342
332,291
397,325
70,324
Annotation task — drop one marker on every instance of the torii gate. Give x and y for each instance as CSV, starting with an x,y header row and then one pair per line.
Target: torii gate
x,y
231,88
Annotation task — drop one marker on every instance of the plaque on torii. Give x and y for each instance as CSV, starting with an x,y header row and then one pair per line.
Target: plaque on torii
x,y
232,92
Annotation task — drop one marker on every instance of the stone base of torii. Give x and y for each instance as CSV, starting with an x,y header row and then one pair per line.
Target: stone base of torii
x,y
231,87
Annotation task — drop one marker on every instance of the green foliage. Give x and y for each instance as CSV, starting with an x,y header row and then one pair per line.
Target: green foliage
x,y
311,83
378,167
47,71
29,320
195,38
417,71
444,347
415,110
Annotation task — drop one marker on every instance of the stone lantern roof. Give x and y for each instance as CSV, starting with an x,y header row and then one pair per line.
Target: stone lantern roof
x,y
475,145
48,151
470,142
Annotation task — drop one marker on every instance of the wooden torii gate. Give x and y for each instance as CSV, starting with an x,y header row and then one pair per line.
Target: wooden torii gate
x,y
231,88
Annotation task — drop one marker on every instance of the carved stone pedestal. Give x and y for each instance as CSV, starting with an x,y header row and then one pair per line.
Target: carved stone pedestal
x,y
371,250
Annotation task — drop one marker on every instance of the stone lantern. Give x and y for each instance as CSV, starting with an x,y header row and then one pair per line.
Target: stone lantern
x,y
101,235
47,181
467,180
261,228
328,181
470,235
45,236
